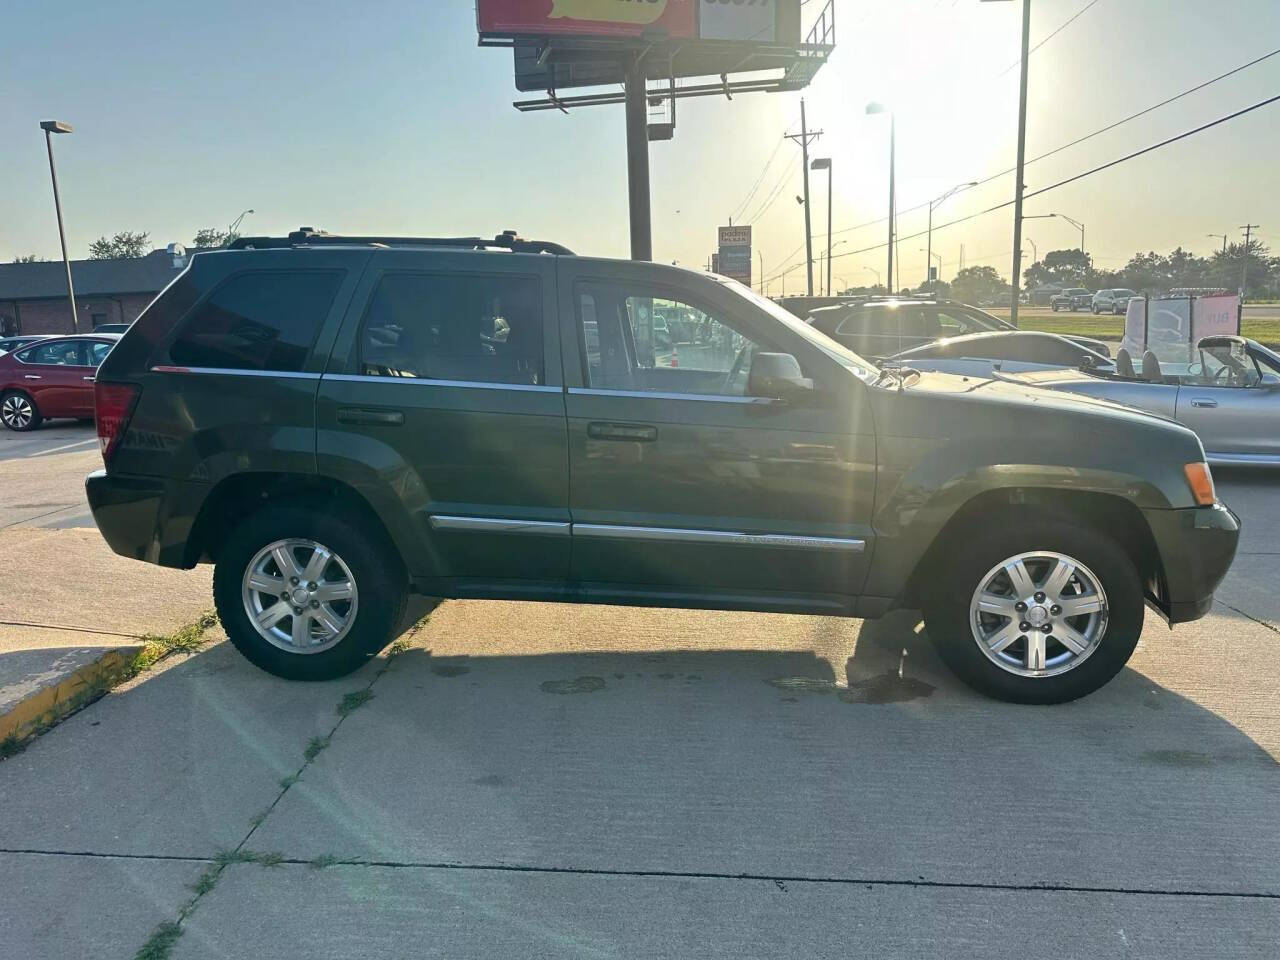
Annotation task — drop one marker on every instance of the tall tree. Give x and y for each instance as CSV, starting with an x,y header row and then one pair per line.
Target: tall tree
x,y
975,284
1065,268
124,245
211,237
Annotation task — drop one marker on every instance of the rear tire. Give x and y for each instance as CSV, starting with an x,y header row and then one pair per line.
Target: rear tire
x,y
954,616
18,411
339,632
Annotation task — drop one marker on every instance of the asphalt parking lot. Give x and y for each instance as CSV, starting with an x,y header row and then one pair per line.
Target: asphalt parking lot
x,y
542,780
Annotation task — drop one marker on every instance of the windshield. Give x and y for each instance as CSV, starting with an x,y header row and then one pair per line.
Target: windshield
x,y
845,357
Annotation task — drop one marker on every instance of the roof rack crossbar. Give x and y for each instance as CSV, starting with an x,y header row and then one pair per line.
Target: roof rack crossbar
x,y
306,236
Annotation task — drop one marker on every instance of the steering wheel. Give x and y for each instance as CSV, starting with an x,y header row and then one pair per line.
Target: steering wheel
x,y
734,370
1223,374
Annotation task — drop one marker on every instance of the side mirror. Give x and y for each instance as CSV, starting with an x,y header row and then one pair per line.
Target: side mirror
x,y
777,376
1270,381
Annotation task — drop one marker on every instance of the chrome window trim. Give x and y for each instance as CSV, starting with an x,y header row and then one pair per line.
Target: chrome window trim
x,y
235,372
728,537
658,395
426,381
542,528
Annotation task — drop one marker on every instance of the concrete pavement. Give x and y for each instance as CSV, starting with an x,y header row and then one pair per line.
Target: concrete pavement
x,y
549,780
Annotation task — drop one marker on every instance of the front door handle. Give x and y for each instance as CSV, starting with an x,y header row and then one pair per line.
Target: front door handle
x,y
88,378
32,376
386,418
1203,402
641,432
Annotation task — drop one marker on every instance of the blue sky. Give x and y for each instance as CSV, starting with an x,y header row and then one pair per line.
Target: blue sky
x,y
384,116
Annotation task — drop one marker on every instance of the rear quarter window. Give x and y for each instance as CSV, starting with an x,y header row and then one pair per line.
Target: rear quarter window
x,y
265,320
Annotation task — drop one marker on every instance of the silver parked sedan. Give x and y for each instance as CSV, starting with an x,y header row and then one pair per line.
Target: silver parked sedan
x,y
1229,395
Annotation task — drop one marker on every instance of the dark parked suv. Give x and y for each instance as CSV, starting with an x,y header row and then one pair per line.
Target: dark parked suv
x,y
335,421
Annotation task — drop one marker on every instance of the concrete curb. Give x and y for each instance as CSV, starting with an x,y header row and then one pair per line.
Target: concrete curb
x,y
59,698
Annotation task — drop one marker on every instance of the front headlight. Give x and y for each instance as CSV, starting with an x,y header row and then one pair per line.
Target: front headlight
x,y
1201,481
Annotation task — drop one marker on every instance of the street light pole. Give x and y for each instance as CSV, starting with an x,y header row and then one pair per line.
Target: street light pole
x,y
50,127
875,271
824,163
873,108
235,225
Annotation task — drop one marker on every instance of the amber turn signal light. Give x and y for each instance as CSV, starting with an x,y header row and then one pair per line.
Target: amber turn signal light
x,y
1201,481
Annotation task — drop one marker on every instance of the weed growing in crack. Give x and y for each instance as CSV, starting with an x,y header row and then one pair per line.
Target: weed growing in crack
x,y
354,701
290,780
314,747
324,860
160,944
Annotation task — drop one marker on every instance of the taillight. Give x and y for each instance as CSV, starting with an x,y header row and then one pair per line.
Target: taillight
x,y
113,406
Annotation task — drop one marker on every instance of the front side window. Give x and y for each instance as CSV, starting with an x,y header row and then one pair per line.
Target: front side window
x,y
474,328
258,321
61,353
98,352
633,340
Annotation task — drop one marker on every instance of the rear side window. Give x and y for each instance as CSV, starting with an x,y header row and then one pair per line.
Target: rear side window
x,y
258,321
475,328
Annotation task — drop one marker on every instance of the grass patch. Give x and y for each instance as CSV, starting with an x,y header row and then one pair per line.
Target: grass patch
x,y
160,944
205,882
314,747
324,860
290,780
258,819
225,858
354,701
186,640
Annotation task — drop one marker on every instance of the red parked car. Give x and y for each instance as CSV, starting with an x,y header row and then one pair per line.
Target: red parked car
x,y
51,378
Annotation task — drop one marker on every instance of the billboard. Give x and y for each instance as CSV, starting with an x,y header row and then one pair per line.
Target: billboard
x,y
603,18
735,253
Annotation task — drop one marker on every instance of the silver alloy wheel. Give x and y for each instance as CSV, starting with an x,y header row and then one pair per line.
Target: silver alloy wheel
x,y
1038,614
299,595
16,411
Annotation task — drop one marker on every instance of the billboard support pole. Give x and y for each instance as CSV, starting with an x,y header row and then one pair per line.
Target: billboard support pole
x,y
638,161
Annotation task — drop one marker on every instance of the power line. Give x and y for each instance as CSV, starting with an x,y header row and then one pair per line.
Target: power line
x,y
1065,146
759,180
1061,183
1070,20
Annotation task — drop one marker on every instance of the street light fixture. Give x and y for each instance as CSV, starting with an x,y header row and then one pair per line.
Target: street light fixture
x,y
235,225
932,256
933,204
50,127
824,163
874,108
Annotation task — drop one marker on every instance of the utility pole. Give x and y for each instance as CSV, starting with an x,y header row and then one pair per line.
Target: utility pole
x,y
1022,156
1248,229
803,139
962,256
638,161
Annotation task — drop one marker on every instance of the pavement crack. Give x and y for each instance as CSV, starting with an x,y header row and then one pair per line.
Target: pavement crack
x,y
1248,616
59,626
780,880
165,936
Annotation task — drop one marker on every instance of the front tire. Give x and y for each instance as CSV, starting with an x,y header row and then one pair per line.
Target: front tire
x,y
18,411
305,595
1036,610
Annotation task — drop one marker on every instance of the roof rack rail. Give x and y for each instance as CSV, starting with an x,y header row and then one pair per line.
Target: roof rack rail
x,y
310,237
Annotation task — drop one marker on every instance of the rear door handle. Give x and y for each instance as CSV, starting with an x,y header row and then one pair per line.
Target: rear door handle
x,y
1203,402
88,378
386,418
32,376
641,432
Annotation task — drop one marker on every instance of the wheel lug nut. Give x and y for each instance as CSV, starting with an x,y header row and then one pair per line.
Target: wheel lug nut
x,y
315,604
1039,596
1024,626
1055,609
294,581
1020,606
1047,628
312,586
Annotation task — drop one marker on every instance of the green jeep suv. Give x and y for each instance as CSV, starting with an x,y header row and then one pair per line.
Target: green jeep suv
x,y
336,421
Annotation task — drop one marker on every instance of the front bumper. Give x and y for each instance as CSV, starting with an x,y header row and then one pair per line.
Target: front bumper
x,y
1196,547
